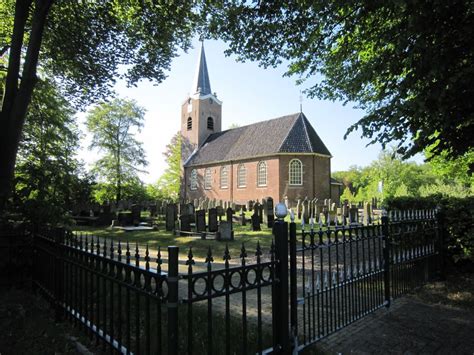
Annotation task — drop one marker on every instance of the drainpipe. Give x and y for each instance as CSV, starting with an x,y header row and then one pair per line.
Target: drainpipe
x,y
231,181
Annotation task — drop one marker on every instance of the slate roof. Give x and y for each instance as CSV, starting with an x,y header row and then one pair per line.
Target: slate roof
x,y
287,134
201,83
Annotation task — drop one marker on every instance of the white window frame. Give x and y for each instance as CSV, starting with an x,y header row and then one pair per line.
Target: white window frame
x,y
295,172
207,179
241,176
262,173
224,177
193,180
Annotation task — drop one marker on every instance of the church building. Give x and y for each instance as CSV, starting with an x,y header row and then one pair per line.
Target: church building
x,y
278,158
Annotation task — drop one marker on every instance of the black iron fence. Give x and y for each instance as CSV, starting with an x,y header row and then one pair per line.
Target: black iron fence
x,y
308,285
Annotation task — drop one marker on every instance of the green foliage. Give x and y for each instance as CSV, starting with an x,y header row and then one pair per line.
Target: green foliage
x,y
400,178
131,190
113,126
407,64
457,217
48,176
169,182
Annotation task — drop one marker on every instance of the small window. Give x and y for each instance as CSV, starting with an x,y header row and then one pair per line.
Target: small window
x,y
296,172
210,123
208,179
224,177
193,179
262,174
241,176
190,123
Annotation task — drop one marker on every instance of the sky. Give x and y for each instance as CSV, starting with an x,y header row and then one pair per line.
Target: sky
x,y
249,94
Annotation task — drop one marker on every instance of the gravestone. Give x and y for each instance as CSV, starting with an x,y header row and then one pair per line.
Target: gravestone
x,y
212,223
264,215
205,204
153,210
255,221
136,211
305,212
225,231
190,212
170,217
353,215
367,213
220,212
185,224
200,221
250,205
270,212
260,212
298,208
229,213
242,217
287,203
196,203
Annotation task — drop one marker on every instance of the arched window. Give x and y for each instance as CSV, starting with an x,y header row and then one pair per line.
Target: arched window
x,y
224,177
194,179
296,172
241,176
210,123
208,179
190,123
262,173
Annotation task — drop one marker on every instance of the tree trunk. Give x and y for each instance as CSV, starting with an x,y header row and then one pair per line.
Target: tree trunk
x,y
17,99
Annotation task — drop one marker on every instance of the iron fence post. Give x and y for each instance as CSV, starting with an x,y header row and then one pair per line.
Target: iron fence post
x,y
280,303
293,286
386,257
172,303
440,241
58,273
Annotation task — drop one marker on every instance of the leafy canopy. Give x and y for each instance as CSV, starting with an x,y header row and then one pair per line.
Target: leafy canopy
x,y
408,64
113,126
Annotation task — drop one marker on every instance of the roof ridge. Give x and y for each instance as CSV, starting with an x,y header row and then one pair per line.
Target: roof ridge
x,y
306,131
260,122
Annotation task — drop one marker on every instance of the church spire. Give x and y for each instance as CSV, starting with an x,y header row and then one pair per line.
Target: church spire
x,y
201,84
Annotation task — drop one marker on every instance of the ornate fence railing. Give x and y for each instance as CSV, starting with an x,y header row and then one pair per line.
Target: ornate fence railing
x,y
309,285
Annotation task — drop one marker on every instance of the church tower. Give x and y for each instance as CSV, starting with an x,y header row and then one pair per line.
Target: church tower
x,y
201,112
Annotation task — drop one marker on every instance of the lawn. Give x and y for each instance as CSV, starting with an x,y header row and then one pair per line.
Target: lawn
x,y
161,238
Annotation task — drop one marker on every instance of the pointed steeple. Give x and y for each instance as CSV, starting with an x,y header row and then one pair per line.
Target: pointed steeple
x,y
201,84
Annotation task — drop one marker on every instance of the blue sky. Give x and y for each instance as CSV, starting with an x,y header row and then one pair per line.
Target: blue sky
x,y
249,94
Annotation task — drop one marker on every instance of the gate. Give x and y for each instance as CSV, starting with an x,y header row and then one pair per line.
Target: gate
x,y
341,273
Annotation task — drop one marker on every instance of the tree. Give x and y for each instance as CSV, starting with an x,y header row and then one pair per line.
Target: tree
x,y
48,174
113,126
408,64
170,181
82,45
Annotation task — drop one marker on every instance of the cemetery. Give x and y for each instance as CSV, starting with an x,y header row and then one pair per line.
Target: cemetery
x,y
140,217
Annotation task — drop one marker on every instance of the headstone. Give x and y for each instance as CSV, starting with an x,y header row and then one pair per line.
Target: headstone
x,y
136,211
298,208
333,207
205,204
305,212
153,210
250,205
212,220
270,212
229,213
242,217
255,221
287,203
200,221
353,215
260,212
196,203
367,213
225,231
170,217
185,224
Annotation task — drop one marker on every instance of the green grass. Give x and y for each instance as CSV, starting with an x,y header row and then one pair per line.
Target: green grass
x,y
162,238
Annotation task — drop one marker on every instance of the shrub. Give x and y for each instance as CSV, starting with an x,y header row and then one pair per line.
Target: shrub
x,y
456,216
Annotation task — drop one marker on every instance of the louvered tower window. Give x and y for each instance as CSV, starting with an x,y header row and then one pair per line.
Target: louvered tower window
x,y
210,123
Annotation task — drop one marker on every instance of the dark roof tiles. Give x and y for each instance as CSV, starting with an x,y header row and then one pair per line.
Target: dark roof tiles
x,y
287,134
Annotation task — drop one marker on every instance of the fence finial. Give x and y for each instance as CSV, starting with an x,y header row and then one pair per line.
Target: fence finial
x,y
209,258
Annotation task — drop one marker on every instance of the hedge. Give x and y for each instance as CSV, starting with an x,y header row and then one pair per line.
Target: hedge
x,y
457,217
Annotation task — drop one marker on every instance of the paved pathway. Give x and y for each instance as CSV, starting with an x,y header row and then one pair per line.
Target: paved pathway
x,y
408,327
